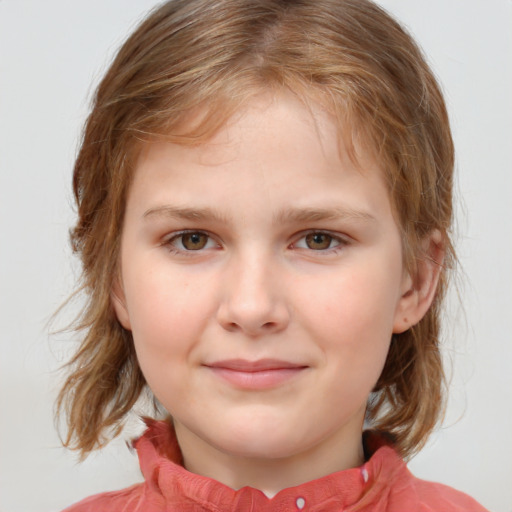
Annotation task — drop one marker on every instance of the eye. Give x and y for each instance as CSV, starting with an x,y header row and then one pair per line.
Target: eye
x,y
319,241
192,241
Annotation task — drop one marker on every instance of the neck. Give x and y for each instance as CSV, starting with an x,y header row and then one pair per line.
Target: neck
x,y
270,475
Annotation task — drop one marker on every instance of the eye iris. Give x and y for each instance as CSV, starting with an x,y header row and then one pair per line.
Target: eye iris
x,y
194,241
318,241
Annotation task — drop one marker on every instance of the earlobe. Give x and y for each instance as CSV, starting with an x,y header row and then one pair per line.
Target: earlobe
x,y
419,289
117,298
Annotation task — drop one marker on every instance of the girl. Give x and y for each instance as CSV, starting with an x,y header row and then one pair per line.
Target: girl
x,y
264,201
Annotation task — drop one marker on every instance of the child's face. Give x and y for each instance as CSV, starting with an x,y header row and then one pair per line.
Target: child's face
x,y
262,278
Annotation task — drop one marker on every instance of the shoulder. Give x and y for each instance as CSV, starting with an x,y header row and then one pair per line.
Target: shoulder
x,y
393,479
127,500
434,497
404,490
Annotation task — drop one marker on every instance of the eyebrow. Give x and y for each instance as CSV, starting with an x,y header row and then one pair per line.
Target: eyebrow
x,y
184,213
287,216
298,215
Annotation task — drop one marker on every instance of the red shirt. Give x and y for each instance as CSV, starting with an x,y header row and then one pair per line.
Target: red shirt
x,y
382,484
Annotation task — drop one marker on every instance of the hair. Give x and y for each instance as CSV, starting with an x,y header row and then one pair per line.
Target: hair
x,y
212,56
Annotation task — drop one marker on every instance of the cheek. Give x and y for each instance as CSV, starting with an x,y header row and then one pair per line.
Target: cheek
x,y
167,314
352,302
352,316
167,310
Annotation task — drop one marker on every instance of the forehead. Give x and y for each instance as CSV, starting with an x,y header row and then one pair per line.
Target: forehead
x,y
276,149
217,130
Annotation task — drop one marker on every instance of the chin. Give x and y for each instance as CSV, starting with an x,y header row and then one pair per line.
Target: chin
x,y
259,449
273,444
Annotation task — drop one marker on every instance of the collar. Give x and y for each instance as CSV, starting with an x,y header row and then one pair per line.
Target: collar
x,y
166,479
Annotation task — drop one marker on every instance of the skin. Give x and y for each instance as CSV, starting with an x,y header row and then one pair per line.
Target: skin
x,y
291,254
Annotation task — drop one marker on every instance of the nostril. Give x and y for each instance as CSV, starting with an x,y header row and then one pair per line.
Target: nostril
x,y
254,318
232,326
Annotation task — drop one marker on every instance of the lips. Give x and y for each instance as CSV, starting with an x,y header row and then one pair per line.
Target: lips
x,y
256,375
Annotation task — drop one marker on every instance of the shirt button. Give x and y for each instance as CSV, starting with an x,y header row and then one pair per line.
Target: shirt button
x,y
300,502
364,474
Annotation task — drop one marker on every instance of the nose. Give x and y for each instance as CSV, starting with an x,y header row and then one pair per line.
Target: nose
x,y
253,299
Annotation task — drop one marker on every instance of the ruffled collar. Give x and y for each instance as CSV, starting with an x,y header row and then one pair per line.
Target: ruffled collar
x,y
352,489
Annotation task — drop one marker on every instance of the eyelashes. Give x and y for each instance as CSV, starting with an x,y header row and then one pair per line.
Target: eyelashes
x,y
195,241
191,241
318,241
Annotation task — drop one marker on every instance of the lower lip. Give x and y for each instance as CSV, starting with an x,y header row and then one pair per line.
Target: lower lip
x,y
264,379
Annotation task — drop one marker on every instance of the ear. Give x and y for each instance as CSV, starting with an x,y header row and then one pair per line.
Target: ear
x,y
117,298
419,289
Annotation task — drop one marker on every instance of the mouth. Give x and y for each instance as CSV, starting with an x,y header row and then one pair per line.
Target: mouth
x,y
256,375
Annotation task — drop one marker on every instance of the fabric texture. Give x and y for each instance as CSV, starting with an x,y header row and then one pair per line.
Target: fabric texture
x,y
382,484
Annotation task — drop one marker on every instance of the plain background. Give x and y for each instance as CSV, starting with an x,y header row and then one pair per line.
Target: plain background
x,y
51,54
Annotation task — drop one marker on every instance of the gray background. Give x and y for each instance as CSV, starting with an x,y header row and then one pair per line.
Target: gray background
x,y
50,54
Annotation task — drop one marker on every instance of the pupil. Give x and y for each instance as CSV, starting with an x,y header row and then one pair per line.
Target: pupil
x,y
194,241
318,241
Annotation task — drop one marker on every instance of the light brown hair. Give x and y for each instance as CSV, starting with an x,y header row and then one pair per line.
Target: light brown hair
x,y
211,56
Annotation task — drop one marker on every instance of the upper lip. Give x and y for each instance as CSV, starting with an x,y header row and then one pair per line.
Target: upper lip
x,y
243,365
